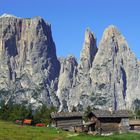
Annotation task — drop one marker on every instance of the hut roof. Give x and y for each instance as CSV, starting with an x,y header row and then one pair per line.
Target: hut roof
x,y
134,122
55,115
113,114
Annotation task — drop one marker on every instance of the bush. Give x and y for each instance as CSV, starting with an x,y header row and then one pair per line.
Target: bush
x,y
21,112
42,114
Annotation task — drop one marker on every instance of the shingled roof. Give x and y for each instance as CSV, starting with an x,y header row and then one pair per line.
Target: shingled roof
x,y
55,115
113,114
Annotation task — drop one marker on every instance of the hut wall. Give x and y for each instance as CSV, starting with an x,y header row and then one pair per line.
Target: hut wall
x,y
108,125
69,122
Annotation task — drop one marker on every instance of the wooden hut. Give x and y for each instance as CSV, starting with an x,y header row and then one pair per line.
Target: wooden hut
x,y
104,121
134,124
68,120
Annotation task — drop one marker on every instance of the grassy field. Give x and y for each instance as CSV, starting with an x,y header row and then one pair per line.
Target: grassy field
x,y
9,131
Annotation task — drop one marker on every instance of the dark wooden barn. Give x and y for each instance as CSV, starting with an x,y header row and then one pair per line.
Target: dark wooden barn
x,y
104,121
67,120
134,124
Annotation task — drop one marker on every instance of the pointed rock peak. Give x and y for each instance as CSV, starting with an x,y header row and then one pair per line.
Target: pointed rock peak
x,y
111,31
112,38
89,51
7,15
112,34
89,47
111,27
38,18
89,35
71,57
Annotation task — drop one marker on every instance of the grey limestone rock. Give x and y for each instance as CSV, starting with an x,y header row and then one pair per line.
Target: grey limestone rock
x,y
66,82
31,73
29,68
115,71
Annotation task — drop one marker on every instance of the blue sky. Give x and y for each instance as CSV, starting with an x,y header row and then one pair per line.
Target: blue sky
x,y
70,18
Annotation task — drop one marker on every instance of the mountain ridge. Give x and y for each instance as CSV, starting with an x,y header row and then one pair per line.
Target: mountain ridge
x,y
105,76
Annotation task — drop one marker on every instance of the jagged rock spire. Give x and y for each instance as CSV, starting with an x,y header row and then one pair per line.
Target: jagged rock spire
x,y
113,36
31,73
88,52
114,70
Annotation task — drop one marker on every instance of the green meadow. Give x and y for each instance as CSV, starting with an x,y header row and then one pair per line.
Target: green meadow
x,y
10,131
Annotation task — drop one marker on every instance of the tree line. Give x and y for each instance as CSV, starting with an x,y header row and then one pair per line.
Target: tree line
x,y
40,115
20,112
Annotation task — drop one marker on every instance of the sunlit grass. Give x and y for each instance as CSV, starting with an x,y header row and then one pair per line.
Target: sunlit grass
x,y
10,131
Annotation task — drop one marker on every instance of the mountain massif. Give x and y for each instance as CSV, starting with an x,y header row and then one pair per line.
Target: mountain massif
x,y
30,72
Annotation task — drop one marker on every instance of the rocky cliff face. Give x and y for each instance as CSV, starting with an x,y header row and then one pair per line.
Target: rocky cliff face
x,y
30,73
107,77
28,61
66,82
115,71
